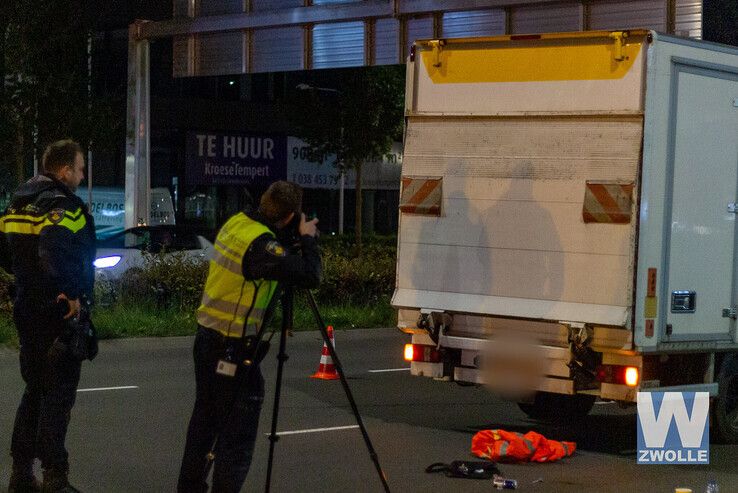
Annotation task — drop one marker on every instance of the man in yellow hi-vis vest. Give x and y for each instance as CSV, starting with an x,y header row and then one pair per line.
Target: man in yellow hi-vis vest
x,y
248,264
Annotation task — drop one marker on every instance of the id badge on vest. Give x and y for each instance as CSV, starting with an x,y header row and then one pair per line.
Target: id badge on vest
x,y
227,366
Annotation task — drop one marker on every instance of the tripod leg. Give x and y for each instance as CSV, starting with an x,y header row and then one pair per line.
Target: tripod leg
x,y
287,299
346,389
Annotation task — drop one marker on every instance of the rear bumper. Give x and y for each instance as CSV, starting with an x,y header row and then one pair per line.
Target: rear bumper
x,y
556,377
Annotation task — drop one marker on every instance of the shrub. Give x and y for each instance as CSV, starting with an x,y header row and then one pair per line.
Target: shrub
x,y
6,301
177,280
8,335
359,280
174,280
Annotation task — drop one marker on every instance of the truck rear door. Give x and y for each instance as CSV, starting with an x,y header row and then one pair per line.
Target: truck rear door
x,y
700,251
520,177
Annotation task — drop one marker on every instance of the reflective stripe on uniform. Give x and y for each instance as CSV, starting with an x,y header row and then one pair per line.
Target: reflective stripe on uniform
x,y
530,446
33,225
226,262
231,308
219,244
527,442
224,327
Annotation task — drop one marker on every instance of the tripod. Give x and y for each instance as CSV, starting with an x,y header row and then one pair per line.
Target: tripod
x,y
287,297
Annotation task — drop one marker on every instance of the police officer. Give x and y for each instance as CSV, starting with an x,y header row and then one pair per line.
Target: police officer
x,y
51,238
248,264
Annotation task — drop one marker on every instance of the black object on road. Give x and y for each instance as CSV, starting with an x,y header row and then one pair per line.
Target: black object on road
x,y
466,469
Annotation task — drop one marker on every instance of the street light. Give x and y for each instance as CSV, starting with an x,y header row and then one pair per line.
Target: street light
x,y
342,174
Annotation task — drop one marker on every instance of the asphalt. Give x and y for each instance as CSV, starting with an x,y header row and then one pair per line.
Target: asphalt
x,y
131,440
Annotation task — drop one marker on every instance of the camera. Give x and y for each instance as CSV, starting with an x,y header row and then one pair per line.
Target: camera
x,y
290,235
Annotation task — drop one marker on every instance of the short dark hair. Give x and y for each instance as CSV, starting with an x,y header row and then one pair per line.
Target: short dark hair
x,y
281,199
60,154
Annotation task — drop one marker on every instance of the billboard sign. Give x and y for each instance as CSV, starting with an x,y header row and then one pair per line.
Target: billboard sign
x,y
235,158
319,171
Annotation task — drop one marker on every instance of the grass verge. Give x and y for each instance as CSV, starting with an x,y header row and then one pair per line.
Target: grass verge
x,y
142,321
342,316
8,335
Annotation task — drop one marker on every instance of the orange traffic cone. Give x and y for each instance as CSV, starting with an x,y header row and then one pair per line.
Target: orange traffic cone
x,y
326,370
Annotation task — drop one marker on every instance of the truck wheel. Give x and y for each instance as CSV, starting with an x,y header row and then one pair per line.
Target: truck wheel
x,y
725,406
554,407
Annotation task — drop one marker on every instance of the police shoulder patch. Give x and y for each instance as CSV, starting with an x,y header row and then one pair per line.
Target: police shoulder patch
x,y
55,215
275,249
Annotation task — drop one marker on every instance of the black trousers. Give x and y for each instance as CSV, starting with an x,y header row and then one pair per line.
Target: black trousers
x,y
215,395
51,388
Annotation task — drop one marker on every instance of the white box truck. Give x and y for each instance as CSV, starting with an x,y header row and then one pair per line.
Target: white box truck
x,y
576,192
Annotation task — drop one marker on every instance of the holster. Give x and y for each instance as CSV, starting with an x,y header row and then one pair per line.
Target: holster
x,y
79,339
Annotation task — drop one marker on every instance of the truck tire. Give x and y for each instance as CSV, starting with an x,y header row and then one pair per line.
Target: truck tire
x,y
725,406
548,406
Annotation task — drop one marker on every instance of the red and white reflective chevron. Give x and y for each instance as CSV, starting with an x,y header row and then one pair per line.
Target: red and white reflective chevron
x,y
421,196
327,370
608,202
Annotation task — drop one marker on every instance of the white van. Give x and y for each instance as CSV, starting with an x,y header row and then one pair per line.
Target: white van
x,y
108,208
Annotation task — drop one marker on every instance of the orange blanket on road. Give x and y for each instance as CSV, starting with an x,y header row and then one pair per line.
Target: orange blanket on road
x,y
508,446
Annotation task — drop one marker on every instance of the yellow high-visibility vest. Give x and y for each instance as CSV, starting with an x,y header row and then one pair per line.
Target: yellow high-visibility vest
x,y
229,297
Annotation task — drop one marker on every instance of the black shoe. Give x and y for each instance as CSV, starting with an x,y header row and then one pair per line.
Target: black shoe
x,y
56,480
22,480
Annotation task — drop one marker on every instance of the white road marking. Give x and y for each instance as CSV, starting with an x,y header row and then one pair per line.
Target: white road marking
x,y
108,388
389,369
604,403
315,430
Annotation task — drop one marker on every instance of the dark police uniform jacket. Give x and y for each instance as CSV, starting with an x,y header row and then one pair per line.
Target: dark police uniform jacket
x,y
51,238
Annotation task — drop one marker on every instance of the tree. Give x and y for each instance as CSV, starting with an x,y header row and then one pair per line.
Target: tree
x,y
358,122
45,94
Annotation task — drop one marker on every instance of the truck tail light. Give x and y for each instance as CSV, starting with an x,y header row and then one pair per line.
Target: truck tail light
x,y
422,353
619,374
631,376
409,352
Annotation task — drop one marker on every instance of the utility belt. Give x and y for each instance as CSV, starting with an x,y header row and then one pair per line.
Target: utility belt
x,y
234,353
41,299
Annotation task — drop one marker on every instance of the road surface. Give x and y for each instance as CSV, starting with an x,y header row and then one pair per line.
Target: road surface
x,y
128,426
